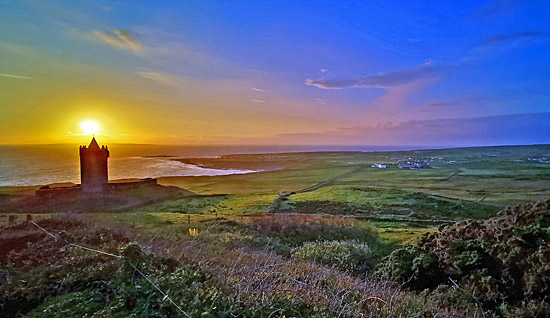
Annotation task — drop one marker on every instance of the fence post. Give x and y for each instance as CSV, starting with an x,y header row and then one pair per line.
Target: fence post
x,y
188,219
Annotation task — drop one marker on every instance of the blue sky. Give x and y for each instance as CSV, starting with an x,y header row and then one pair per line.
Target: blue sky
x,y
252,72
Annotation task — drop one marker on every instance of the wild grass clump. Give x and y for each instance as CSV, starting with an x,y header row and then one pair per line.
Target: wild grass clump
x,y
345,255
283,234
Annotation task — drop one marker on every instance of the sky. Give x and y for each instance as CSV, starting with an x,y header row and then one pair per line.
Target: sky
x,y
431,73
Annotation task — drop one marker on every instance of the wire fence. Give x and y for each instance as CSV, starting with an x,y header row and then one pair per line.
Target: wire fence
x,y
165,295
14,218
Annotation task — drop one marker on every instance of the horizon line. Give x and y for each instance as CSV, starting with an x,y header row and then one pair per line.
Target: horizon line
x,y
410,147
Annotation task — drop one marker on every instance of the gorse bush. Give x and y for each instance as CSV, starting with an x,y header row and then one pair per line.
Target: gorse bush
x,y
340,254
415,268
502,264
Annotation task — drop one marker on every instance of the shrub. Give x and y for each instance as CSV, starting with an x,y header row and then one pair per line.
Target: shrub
x,y
340,254
414,268
501,263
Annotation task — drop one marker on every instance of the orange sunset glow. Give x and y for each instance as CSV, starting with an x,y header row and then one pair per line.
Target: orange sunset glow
x,y
154,80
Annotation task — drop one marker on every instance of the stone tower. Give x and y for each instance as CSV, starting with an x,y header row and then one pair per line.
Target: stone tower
x,y
93,167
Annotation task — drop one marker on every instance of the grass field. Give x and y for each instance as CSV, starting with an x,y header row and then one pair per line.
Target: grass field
x,y
212,204
380,201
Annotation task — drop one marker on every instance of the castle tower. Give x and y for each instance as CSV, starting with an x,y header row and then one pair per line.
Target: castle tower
x,y
93,167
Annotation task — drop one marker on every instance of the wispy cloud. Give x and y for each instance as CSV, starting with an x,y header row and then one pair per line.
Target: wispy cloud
x,y
169,80
383,80
509,37
120,39
15,76
320,101
398,84
498,43
258,101
454,102
498,7
260,90
160,77
453,107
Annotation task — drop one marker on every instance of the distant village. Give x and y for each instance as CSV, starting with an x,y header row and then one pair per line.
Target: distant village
x,y
409,163
539,160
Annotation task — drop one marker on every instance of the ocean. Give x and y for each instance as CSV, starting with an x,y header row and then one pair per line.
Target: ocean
x,y
28,165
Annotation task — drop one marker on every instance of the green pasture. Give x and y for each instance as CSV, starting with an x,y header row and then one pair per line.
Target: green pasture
x,y
212,204
260,182
379,200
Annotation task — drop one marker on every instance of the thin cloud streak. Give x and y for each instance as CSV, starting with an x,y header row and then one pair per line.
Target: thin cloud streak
x,y
454,102
15,76
383,80
260,90
164,78
500,43
399,85
498,7
499,38
120,39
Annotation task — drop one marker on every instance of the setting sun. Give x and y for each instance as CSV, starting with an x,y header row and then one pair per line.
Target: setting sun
x,y
89,127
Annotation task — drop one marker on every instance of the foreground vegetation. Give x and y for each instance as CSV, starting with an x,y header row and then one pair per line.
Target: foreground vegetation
x,y
500,264
206,272
276,266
